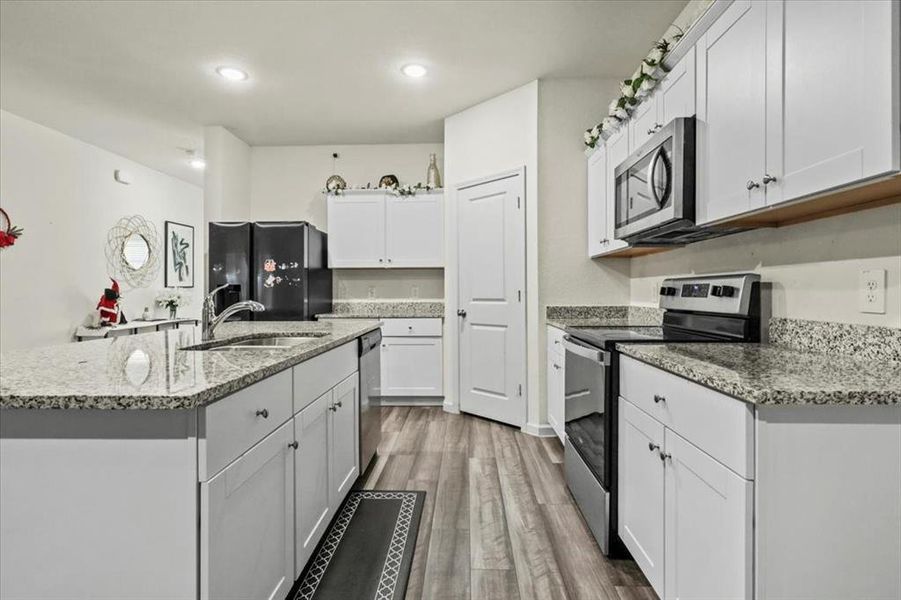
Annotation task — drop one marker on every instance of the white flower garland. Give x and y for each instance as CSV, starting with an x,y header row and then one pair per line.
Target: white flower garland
x,y
632,91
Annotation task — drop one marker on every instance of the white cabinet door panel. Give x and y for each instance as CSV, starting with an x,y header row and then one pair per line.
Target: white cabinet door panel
x,y
556,413
246,546
676,94
731,131
414,231
709,526
344,452
412,366
640,523
831,94
311,478
596,194
356,226
644,121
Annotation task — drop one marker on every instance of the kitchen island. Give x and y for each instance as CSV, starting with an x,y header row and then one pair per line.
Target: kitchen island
x,y
159,466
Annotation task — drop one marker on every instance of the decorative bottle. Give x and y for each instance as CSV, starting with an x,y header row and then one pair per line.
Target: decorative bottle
x,y
433,177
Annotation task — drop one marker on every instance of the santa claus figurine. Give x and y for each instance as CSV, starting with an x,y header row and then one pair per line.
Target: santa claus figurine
x,y
108,307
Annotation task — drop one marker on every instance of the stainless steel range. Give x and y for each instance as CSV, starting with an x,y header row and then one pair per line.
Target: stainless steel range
x,y
721,308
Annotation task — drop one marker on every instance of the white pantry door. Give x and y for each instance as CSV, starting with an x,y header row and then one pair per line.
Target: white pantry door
x,y
492,317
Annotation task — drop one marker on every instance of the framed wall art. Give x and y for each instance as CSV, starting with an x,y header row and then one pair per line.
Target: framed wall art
x,y
179,251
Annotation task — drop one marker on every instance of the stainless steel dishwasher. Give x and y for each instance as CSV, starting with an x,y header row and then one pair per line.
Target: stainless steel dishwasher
x,y
370,390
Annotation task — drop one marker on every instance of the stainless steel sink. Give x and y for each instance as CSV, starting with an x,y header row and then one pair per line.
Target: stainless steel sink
x,y
259,343
267,342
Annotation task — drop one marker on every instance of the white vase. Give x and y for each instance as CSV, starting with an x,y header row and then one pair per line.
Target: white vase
x,y
433,176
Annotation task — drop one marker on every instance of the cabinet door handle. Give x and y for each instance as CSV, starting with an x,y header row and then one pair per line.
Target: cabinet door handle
x,y
665,455
658,399
752,184
338,404
381,260
768,179
556,366
333,408
650,131
263,413
652,446
389,260
294,445
461,313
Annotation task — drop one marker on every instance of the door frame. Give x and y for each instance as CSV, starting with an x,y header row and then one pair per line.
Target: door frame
x,y
451,310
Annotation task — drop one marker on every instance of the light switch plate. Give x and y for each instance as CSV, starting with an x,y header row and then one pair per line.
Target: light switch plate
x,y
872,291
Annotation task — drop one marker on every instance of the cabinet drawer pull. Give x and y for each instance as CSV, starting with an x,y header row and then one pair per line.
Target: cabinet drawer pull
x,y
263,413
652,446
294,445
665,455
658,399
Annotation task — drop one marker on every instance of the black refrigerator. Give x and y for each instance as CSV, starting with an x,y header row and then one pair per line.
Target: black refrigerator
x,y
282,265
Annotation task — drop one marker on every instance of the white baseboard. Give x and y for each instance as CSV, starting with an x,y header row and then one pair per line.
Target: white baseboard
x,y
411,401
543,430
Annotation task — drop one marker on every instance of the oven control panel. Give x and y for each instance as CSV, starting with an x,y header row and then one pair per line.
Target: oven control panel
x,y
725,294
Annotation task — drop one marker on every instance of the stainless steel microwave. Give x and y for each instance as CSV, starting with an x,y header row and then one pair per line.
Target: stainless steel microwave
x,y
655,188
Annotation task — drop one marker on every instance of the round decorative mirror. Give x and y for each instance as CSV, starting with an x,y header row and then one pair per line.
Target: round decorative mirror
x,y
135,251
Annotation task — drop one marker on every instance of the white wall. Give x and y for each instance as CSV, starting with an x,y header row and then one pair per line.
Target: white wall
x,y
566,274
62,193
286,183
500,134
226,181
814,267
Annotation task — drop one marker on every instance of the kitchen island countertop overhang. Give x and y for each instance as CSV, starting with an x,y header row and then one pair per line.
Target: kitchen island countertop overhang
x,y
155,371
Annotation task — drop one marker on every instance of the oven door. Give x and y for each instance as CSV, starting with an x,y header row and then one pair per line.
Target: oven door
x,y
587,449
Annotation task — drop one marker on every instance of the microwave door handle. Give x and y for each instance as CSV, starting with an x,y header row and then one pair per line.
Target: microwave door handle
x,y
600,357
652,190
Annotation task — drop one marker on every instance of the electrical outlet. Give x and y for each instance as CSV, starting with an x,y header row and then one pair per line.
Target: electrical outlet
x,y
414,291
372,291
872,291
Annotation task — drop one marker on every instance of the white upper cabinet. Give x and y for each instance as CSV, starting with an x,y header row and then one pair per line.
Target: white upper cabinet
x,y
732,112
833,113
644,121
368,228
675,96
415,231
597,202
794,98
356,230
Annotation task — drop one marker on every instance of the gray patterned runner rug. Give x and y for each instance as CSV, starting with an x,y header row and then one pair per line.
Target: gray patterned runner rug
x,y
367,552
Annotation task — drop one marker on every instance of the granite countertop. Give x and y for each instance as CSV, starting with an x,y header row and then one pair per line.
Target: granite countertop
x,y
562,317
385,309
766,374
153,371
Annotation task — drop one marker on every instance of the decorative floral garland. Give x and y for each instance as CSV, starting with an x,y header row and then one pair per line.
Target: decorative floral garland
x,y
632,91
401,190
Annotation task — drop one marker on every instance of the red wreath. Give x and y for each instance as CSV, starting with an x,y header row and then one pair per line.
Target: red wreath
x,y
8,233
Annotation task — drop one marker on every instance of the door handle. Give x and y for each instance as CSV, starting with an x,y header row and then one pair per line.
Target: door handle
x,y
461,313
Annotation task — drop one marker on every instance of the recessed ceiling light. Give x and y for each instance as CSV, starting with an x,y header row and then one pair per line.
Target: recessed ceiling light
x,y
198,163
232,73
414,70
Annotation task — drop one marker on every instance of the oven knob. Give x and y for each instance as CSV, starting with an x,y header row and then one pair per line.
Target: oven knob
x,y
667,291
728,291
716,291
663,291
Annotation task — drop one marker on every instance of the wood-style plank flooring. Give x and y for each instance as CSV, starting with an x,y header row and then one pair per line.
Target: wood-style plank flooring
x,y
499,522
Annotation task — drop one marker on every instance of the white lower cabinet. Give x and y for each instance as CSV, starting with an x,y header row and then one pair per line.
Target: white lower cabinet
x,y
344,452
246,546
641,487
412,358
708,526
556,381
313,509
